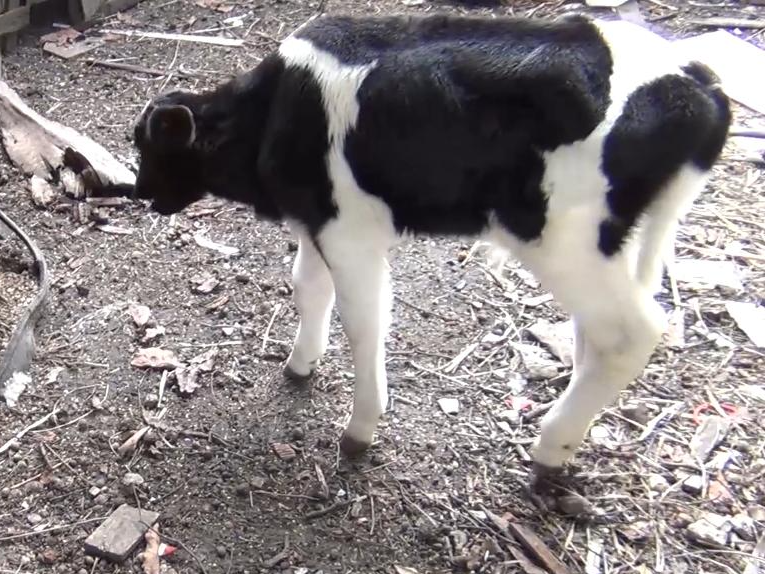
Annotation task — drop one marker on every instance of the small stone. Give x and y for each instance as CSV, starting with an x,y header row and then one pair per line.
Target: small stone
x,y
636,412
449,406
151,401
657,483
711,529
282,291
511,416
298,433
221,551
34,518
743,525
101,499
132,479
694,484
242,278
574,505
242,489
94,491
82,571
49,556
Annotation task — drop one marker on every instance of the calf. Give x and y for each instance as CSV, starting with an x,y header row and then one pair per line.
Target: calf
x,y
574,144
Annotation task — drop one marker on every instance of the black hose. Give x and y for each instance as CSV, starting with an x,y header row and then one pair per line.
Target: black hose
x,y
21,346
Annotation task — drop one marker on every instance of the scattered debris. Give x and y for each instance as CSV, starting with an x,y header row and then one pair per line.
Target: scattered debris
x,y
605,3
203,241
120,533
750,318
535,546
758,557
204,283
153,333
675,335
449,406
396,567
155,358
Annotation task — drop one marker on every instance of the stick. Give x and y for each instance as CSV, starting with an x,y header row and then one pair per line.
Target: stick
x,y
270,324
24,431
130,444
137,69
214,40
52,529
716,22
333,507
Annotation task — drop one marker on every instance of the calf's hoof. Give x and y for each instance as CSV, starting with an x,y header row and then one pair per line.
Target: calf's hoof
x,y
544,477
295,377
352,447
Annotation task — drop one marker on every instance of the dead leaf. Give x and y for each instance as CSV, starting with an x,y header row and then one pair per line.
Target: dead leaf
x,y
750,318
156,358
188,376
556,337
537,361
140,314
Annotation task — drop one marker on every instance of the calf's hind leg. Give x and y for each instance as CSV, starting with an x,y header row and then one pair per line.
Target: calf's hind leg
x,y
618,327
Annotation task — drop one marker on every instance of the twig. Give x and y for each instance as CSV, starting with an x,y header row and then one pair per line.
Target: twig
x,y
138,69
270,324
22,432
334,507
214,40
52,529
719,22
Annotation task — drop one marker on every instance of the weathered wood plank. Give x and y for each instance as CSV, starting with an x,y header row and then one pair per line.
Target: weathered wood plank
x,y
118,535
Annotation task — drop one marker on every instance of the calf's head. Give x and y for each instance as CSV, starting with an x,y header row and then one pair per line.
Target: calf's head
x,y
171,166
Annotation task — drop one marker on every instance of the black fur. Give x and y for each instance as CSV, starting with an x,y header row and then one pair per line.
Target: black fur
x,y
670,122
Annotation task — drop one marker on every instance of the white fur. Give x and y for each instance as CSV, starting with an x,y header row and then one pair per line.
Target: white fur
x,y
617,322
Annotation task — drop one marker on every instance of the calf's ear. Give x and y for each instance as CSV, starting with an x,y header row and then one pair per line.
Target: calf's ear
x,y
171,127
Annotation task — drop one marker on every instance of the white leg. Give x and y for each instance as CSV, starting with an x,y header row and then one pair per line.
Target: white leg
x,y
619,339
314,296
362,281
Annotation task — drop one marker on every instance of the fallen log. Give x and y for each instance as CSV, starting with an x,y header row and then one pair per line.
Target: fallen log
x,y
41,147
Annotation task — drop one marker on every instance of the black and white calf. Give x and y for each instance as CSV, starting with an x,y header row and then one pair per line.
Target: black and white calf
x,y
576,145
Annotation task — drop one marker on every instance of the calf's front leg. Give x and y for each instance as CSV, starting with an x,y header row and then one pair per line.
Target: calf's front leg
x,y
314,295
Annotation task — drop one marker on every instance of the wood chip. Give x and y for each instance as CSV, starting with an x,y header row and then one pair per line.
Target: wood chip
x,y
208,243
155,358
675,335
707,274
534,545
449,406
750,318
709,434
118,535
284,451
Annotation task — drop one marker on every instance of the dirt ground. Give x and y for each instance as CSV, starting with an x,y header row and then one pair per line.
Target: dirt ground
x,y
423,498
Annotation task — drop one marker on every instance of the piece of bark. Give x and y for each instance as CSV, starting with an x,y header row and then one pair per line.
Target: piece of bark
x,y
120,533
534,546
38,145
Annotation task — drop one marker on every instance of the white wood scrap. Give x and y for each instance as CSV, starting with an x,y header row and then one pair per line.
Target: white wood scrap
x,y
750,318
705,273
213,40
